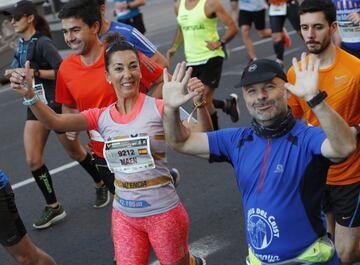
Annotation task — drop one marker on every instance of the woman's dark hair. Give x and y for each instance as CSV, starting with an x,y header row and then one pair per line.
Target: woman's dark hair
x,y
115,42
41,25
325,6
86,10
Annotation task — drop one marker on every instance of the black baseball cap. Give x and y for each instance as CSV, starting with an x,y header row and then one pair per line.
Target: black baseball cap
x,y
20,9
259,71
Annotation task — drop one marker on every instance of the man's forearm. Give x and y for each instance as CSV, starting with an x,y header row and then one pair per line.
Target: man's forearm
x,y
338,132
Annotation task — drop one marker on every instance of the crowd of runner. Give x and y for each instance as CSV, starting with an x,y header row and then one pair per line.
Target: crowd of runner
x,y
298,163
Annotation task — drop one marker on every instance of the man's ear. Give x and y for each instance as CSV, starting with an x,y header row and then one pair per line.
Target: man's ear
x,y
334,27
96,27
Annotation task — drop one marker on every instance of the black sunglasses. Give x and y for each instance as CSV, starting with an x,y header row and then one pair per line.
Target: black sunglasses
x,y
17,17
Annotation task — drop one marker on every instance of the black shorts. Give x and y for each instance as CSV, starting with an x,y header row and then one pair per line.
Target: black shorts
x,y
12,229
277,22
137,22
344,202
52,104
210,72
248,17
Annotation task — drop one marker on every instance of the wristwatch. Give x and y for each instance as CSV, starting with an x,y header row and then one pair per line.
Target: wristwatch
x,y
357,127
36,73
317,99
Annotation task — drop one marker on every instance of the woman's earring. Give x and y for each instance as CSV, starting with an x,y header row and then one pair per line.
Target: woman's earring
x,y
109,82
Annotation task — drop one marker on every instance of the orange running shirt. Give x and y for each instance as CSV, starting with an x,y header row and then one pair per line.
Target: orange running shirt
x,y
341,81
277,2
85,87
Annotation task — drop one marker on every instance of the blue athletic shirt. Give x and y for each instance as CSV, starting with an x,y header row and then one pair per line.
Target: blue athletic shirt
x,y
133,36
3,179
284,218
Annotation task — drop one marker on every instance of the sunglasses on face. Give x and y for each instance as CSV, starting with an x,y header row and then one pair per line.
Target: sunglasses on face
x,y
17,17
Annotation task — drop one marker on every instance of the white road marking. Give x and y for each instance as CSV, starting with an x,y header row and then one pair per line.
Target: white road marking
x,y
52,172
204,247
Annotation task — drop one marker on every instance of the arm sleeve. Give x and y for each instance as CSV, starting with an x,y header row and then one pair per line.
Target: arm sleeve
x,y
92,116
221,144
150,71
142,43
293,100
313,139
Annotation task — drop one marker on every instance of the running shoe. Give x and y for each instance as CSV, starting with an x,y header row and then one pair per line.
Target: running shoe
x,y
198,260
49,217
175,174
286,38
231,107
248,261
102,197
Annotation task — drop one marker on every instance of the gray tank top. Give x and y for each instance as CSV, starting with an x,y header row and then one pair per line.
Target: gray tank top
x,y
143,201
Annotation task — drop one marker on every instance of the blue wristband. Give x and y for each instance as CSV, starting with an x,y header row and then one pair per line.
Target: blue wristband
x,y
31,101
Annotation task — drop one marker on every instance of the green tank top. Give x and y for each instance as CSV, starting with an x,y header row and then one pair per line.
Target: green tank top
x,y
197,28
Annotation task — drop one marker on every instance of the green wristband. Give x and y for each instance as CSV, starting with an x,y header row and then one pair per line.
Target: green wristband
x,y
31,101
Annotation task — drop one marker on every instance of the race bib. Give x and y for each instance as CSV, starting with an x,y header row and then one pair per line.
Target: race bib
x,y
40,92
278,10
129,155
350,32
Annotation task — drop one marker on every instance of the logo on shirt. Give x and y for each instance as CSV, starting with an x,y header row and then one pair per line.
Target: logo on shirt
x,y
341,77
261,228
279,168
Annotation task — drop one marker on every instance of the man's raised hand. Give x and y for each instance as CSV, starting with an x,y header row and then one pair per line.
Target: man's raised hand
x,y
307,77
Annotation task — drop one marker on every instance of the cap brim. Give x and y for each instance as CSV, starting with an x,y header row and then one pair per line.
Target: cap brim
x,y
12,11
262,77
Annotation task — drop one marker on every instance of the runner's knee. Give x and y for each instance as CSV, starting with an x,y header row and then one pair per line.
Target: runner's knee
x,y
349,252
277,37
34,162
245,31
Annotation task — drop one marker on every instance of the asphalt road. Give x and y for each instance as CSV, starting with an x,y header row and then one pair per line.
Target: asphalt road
x,y
208,192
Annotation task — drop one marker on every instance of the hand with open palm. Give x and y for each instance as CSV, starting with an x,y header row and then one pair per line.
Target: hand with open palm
x,y
307,78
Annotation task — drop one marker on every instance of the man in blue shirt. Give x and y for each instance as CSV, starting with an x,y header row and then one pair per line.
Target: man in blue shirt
x,y
12,230
280,164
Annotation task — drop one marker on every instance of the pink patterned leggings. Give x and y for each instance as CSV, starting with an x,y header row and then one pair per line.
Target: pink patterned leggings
x,y
167,233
